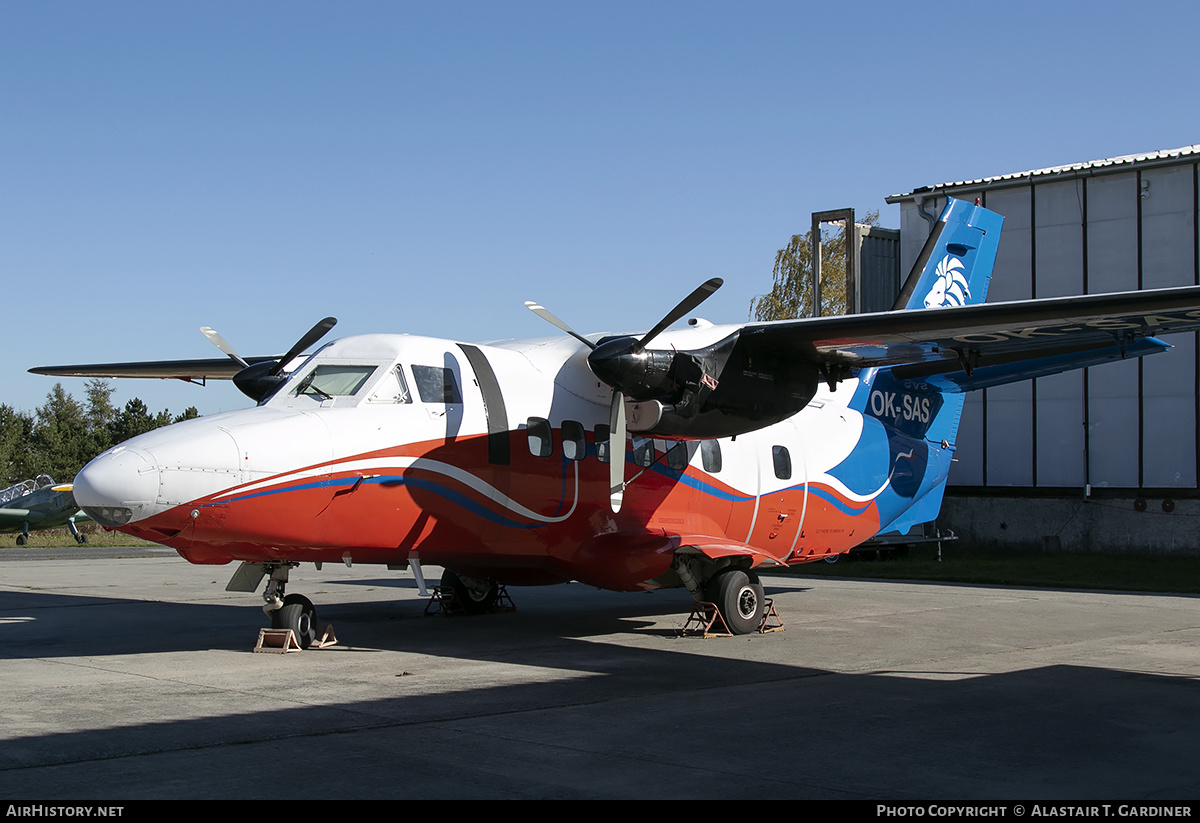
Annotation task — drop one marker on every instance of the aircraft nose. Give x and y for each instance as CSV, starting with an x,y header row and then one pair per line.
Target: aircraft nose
x,y
118,487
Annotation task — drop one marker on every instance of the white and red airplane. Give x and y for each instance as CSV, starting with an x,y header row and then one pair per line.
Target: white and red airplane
x,y
672,458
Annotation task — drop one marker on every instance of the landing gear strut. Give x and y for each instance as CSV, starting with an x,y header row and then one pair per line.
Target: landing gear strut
x,y
79,536
292,611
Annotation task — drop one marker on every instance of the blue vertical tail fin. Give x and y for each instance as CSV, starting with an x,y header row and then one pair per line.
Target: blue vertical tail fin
x,y
953,269
955,265
920,418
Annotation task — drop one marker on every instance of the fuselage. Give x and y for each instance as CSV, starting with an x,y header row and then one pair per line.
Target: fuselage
x,y
492,460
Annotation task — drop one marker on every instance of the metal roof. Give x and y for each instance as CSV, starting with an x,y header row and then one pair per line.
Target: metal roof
x,y
1024,178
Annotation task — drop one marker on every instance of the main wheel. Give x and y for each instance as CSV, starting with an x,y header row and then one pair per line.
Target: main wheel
x,y
740,599
473,600
22,540
297,614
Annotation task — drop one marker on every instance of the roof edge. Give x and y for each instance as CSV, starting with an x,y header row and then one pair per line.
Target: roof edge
x,y
1110,165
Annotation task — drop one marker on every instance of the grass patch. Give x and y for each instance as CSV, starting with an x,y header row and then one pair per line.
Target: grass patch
x,y
60,538
1059,570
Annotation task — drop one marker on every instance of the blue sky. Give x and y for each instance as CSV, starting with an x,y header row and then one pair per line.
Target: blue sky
x,y
427,167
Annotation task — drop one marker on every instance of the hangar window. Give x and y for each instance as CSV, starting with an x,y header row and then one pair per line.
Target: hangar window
x,y
574,442
541,437
710,456
436,384
783,462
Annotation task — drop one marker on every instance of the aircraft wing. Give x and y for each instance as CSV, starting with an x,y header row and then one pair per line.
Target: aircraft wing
x,y
14,517
212,368
716,548
1006,341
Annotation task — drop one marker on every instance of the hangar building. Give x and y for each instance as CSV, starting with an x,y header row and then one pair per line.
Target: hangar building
x,y
1100,459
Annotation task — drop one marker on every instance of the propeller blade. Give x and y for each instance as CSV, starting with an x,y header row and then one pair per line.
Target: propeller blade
x,y
686,305
312,336
616,451
219,341
542,312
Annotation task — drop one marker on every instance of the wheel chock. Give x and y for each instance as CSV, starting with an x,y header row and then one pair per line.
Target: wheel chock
x,y
503,602
443,601
325,636
277,641
706,621
771,621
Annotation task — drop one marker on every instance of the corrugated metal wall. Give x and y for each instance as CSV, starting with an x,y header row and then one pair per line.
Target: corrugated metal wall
x,y
879,259
1129,425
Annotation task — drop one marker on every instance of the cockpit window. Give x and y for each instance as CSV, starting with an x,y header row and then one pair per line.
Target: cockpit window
x,y
330,380
436,384
391,389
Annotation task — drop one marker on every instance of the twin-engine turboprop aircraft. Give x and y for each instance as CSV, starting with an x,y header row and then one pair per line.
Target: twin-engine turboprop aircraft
x,y
671,458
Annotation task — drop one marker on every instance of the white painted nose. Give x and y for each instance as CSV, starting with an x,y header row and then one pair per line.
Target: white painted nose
x,y
158,470
118,487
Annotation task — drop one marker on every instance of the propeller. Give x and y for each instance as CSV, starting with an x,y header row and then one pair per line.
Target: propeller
x,y
259,380
629,369
219,341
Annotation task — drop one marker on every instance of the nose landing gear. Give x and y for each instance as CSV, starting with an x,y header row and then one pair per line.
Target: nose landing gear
x,y
286,611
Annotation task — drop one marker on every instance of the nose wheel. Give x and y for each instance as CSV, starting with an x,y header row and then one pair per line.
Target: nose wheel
x,y
298,614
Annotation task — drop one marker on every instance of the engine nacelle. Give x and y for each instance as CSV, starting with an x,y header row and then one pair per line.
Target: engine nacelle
x,y
722,390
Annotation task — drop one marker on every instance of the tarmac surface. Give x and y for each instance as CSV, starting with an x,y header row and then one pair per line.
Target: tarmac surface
x,y
130,678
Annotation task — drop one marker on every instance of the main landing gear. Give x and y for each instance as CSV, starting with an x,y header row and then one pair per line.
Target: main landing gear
x,y
459,594
738,596
732,599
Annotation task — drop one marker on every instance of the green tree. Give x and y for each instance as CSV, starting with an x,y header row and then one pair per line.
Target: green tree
x,y
60,441
791,293
133,420
65,434
16,429
100,413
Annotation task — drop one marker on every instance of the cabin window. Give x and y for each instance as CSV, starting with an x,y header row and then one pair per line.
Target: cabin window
x,y
330,380
602,443
392,389
710,456
574,442
677,456
643,451
436,384
541,437
783,462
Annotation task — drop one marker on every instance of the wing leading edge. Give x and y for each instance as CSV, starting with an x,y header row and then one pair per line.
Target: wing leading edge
x,y
211,368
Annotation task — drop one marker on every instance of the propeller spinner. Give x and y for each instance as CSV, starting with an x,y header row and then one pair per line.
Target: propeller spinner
x,y
626,365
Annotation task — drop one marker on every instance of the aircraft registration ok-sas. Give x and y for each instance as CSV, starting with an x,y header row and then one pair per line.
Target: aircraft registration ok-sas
x,y
693,457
